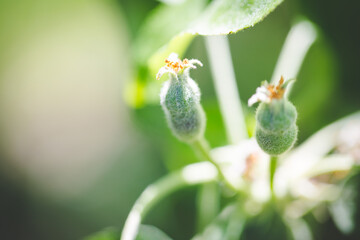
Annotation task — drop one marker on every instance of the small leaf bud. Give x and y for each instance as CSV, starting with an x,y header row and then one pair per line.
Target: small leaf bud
x,y
180,100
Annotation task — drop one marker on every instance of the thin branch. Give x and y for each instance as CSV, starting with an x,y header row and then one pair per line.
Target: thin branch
x,y
203,148
190,175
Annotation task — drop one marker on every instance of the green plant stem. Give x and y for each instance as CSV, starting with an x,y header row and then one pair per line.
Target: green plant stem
x,y
273,165
298,41
162,188
226,88
203,148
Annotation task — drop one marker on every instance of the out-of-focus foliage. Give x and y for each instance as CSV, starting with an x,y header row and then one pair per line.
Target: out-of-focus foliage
x,y
106,234
325,90
228,225
146,232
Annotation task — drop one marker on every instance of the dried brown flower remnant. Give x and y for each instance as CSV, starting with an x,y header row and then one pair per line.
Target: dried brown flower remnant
x,y
267,92
174,65
277,91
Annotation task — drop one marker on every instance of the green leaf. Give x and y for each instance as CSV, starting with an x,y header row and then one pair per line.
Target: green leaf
x,y
343,210
106,234
171,28
220,17
147,232
208,204
162,25
229,16
167,22
228,225
176,25
172,2
299,229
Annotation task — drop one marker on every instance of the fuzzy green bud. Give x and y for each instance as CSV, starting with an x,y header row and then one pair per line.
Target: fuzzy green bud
x,y
276,130
180,100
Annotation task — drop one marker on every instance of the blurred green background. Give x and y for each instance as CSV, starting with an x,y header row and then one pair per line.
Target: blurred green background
x,y
75,155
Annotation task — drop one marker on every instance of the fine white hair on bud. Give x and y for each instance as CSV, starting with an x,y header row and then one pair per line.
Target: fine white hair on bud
x,y
180,99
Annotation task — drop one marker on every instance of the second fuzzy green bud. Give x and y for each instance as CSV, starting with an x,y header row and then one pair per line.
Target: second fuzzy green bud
x,y
276,130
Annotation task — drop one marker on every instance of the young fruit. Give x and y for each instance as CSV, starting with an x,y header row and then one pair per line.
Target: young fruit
x,y
276,129
180,99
